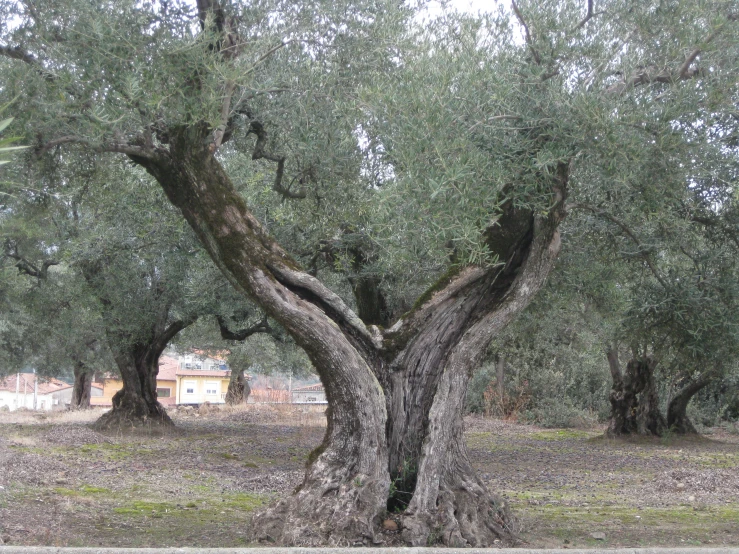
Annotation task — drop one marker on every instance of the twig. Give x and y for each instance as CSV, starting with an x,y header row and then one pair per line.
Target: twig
x,y
260,152
267,54
588,16
613,219
529,39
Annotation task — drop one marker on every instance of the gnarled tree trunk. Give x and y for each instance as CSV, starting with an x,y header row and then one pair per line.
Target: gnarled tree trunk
x,y
677,416
82,388
238,388
396,397
136,403
634,400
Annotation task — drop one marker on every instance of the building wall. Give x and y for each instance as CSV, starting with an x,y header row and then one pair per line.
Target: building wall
x,y
196,389
13,401
110,387
309,397
166,385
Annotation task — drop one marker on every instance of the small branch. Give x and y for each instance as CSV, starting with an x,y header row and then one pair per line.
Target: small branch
x,y
685,72
715,222
685,68
588,16
613,219
651,75
267,54
225,112
260,152
529,39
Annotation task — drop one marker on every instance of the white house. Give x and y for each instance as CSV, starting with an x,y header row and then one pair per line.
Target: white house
x,y
312,394
27,390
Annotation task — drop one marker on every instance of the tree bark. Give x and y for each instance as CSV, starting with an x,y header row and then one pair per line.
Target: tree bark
x,y
634,400
136,403
396,397
82,387
238,388
677,416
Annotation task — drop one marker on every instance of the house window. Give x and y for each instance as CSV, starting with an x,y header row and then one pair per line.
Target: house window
x,y
189,387
164,393
211,387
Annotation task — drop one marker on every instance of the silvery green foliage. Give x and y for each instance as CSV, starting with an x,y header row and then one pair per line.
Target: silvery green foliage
x,y
407,132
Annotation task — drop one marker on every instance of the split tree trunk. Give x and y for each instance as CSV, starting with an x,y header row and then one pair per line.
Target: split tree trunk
x,y
82,388
238,388
634,400
677,416
396,398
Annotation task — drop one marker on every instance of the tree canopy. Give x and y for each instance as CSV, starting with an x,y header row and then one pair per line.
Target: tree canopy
x,y
391,193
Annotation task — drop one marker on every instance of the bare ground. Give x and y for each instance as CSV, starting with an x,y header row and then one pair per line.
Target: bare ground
x,y
63,484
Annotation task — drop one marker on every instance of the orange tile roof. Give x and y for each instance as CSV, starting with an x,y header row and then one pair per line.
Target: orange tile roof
x,y
222,373
46,385
168,367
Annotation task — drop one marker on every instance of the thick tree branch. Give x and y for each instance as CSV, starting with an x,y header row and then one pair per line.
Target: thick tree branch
x,y
261,326
163,339
24,266
105,146
629,233
18,53
309,287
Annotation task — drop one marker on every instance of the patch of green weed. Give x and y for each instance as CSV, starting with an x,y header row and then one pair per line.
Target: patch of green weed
x,y
561,435
81,491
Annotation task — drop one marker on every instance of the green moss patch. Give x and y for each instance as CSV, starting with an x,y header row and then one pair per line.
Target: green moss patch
x,y
142,508
84,490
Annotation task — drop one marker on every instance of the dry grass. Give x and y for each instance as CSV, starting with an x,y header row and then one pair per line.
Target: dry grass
x,y
64,484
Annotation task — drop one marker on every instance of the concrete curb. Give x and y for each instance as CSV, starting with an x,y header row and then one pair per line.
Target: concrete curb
x,y
259,550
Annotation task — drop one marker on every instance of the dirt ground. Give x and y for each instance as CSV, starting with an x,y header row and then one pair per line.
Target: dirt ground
x,y
63,484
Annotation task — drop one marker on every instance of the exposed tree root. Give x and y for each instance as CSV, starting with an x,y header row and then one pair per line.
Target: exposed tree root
x,y
329,508
464,515
131,412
